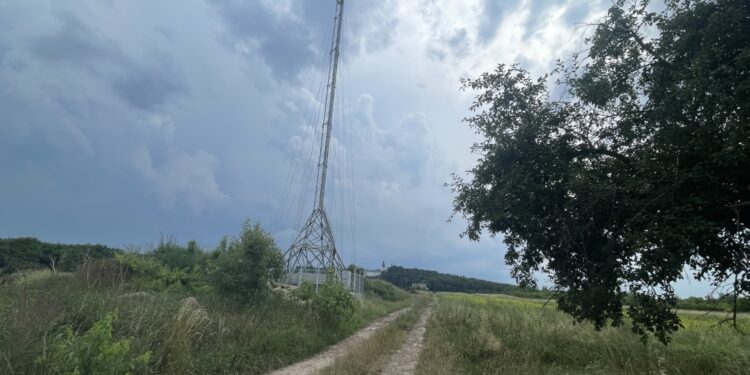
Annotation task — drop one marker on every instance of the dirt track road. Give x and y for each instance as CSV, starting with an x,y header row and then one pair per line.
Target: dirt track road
x,y
327,358
404,360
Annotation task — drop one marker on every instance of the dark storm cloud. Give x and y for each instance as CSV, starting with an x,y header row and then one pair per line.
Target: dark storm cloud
x,y
73,41
148,87
143,85
284,42
290,40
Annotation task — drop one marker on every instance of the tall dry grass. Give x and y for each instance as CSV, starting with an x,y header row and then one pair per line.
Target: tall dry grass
x,y
489,335
186,332
189,326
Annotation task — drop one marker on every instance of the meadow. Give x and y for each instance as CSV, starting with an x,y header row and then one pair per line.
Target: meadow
x,y
175,310
493,334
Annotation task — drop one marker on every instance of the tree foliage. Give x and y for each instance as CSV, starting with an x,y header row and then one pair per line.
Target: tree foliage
x,y
443,282
639,171
29,253
248,264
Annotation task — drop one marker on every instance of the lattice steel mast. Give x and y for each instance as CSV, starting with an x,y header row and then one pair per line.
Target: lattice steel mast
x,y
315,248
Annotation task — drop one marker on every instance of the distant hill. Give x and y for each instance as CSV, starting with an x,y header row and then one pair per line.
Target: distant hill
x,y
29,253
442,282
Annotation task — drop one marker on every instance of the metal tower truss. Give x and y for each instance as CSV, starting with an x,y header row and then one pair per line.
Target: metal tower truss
x,y
314,249
313,254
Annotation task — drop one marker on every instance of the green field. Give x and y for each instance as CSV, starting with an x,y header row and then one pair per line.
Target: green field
x,y
173,310
483,334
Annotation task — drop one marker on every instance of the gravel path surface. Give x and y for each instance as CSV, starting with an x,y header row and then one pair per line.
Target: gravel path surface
x,y
404,360
326,358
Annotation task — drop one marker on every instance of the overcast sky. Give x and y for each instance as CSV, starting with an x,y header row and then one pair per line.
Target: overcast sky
x,y
123,121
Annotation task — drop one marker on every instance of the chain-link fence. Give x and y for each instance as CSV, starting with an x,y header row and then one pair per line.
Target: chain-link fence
x,y
355,282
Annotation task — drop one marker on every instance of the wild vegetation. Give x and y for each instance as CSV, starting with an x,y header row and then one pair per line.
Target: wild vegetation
x,y
505,335
441,282
624,167
29,253
176,310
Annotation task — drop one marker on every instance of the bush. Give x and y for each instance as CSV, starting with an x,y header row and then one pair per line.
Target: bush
x,y
305,292
149,273
175,256
333,303
248,265
96,352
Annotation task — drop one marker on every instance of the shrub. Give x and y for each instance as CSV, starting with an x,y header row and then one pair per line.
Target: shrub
x,y
175,256
96,352
333,303
149,273
305,292
249,264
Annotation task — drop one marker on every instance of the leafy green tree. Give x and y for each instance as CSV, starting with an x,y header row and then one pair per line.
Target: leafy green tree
x,y
639,171
249,264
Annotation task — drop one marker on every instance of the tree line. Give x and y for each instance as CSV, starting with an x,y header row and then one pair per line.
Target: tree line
x,y
442,282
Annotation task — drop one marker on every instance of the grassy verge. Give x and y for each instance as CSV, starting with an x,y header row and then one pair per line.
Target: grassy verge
x,y
370,357
51,321
495,334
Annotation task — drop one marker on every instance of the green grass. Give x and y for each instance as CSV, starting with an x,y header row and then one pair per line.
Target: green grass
x,y
496,334
185,332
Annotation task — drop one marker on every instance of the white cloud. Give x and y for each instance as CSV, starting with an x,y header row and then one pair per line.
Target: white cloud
x,y
182,176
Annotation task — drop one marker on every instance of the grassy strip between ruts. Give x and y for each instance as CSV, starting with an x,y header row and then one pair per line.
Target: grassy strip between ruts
x,y
371,356
494,334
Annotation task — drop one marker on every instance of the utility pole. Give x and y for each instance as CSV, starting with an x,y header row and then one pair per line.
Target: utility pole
x,y
328,124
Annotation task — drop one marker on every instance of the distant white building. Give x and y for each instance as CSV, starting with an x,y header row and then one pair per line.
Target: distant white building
x,y
376,272
419,286
373,273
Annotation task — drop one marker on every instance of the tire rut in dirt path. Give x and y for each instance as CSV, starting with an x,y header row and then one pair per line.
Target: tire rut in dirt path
x,y
326,358
404,360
